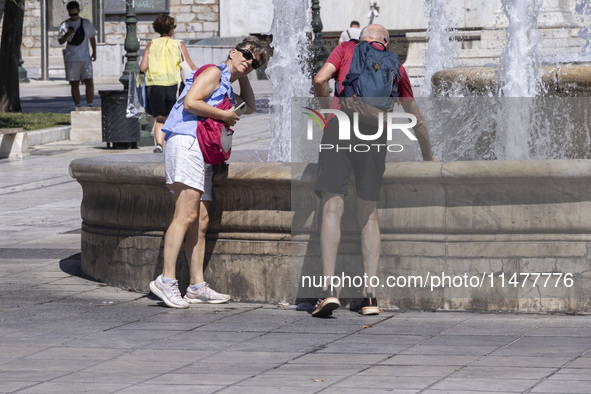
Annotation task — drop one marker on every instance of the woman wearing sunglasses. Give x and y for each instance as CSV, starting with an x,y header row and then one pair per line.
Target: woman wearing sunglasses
x,y
190,178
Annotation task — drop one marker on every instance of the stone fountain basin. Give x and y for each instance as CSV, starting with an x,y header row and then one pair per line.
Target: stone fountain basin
x,y
569,80
493,216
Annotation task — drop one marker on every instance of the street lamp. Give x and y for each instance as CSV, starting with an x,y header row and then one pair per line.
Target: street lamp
x,y
132,45
317,49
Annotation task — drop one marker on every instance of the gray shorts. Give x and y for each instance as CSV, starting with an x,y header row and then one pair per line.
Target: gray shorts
x,y
184,164
78,71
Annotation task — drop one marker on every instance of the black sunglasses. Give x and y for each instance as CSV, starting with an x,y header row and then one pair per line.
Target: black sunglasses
x,y
248,56
76,14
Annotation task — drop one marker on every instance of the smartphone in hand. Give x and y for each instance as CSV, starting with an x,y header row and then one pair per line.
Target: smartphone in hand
x,y
240,109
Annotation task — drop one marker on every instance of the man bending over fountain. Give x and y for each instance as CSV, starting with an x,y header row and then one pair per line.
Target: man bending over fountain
x,y
334,170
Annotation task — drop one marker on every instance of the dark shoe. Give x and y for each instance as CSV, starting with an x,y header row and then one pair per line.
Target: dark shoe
x,y
327,303
158,149
369,306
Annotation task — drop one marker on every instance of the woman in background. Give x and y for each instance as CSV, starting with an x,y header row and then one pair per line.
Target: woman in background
x,y
160,62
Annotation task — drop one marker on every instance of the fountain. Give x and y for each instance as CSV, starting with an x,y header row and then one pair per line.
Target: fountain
x,y
482,225
291,25
521,103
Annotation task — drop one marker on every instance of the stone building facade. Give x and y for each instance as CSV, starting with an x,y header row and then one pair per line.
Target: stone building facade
x,y
195,19
211,27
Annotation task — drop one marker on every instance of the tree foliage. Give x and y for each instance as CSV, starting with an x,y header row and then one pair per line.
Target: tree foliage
x,y
10,44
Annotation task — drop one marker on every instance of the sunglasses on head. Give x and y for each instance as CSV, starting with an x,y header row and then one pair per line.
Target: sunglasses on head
x,y
248,56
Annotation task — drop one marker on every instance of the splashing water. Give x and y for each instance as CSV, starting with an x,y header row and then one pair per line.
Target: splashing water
x,y
583,8
441,47
521,58
520,77
287,70
570,54
470,128
520,123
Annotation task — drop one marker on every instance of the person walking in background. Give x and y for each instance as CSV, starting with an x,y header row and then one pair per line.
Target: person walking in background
x,y
352,33
187,174
78,33
160,62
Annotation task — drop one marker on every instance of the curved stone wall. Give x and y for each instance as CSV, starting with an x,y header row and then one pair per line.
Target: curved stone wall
x,y
569,80
462,217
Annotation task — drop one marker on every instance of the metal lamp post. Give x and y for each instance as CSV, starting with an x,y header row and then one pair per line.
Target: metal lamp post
x,y
319,54
132,45
22,73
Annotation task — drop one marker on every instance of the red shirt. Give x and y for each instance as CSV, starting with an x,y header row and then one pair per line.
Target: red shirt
x,y
341,58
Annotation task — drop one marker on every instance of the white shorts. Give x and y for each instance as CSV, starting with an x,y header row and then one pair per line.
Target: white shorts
x,y
184,163
78,71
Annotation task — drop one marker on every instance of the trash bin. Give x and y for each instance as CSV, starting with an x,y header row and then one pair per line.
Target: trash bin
x,y
119,130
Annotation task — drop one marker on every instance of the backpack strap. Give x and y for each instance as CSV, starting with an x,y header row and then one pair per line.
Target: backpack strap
x,y
201,69
195,75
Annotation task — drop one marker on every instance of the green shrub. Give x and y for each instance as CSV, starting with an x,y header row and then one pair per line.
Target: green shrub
x,y
33,121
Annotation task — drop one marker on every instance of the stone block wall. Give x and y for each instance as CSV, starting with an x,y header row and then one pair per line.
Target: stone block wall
x,y
195,19
31,45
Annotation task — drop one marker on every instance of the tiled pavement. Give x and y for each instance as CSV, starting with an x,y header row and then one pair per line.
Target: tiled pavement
x,y
62,332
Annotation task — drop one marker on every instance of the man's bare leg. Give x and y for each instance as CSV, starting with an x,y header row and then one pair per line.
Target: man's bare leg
x,y
333,206
89,83
75,90
367,215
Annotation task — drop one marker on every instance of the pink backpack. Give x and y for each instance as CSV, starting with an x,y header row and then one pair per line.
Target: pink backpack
x,y
214,136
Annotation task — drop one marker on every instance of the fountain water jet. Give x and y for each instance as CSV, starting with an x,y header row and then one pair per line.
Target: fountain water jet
x,y
441,46
287,70
520,60
520,76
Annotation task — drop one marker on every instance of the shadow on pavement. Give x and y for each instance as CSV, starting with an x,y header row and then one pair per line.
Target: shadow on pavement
x,y
71,265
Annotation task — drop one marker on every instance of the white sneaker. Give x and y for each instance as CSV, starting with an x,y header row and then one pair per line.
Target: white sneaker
x,y
205,294
168,292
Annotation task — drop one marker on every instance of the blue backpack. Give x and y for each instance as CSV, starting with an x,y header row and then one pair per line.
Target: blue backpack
x,y
373,75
